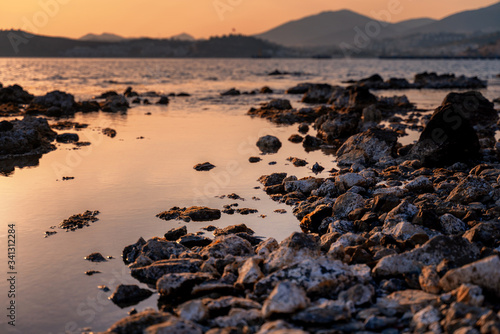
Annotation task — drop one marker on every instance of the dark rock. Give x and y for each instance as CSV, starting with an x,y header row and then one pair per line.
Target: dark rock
x,y
474,107
6,126
233,229
192,240
447,138
273,179
254,160
15,94
231,92
301,88
176,233
297,162
158,249
194,213
296,138
67,138
320,93
228,244
128,295
164,100
303,128
312,221
109,132
269,144
312,142
80,220
206,166
57,99
156,270
471,189
367,147
266,90
317,168
337,126
28,136
131,252
137,323
435,81
95,257
246,211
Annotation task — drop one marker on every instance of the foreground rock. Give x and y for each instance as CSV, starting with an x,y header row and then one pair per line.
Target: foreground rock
x,y
269,144
27,136
128,295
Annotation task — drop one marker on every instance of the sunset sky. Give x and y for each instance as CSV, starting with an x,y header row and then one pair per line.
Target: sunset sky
x,y
200,18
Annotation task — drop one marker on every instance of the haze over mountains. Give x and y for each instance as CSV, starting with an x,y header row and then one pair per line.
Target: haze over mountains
x,y
474,33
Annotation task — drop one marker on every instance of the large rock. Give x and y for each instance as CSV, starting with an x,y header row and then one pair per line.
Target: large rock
x,y
28,136
195,213
368,147
448,138
113,104
57,99
485,273
128,295
286,298
471,189
269,144
347,203
321,93
474,107
455,249
337,126
14,94
228,245
174,285
434,81
296,248
158,249
174,325
305,185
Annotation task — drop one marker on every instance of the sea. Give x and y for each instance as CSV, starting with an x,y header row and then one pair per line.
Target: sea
x,y
148,168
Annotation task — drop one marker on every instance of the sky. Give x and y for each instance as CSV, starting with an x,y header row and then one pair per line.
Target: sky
x,y
200,18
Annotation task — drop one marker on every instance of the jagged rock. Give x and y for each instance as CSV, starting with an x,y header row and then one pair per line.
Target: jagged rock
x,y
297,162
359,294
347,203
27,136
295,138
301,88
286,298
193,240
174,325
474,106
471,189
345,182
176,233
153,272
420,185
322,313
269,144
67,138
238,318
128,295
484,273
273,179
321,93
435,81
137,323
249,272
367,147
228,244
15,94
312,221
266,247
158,249
305,185
447,138
486,233
164,100
115,104
173,285
57,99
452,225
131,252
195,213
429,280
266,90
337,126
296,248
233,229
454,249
206,166
95,257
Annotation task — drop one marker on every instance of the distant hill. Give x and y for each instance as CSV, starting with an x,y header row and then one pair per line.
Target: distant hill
x,y
332,28
21,44
104,37
183,37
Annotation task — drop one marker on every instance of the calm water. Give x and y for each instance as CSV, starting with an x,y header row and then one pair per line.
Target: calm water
x,y
130,180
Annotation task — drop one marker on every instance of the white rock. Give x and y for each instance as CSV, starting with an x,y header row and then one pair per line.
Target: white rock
x,y
286,298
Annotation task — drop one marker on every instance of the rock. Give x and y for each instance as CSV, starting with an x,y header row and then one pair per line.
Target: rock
x,y
193,310
273,179
176,233
377,323
296,138
452,225
238,318
95,257
355,99
266,90
179,285
483,273
420,185
157,249
305,185
28,136
131,252
485,233
174,326
297,162
193,240
194,213
359,294
164,100
410,298
337,126
249,272
286,298
61,100
14,94
223,304
128,295
367,148
228,244
317,168
435,81
67,138
471,189
137,323
474,106
321,93
322,313
311,142
6,126
426,317
206,166
246,211
79,220
233,229
231,92
447,138
429,280
301,88
266,247
346,181
254,160
469,294
312,221
296,248
269,144
279,327
347,203
153,272
454,249
115,104
109,132
303,128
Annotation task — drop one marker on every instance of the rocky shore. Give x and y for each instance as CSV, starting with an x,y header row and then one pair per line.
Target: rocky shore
x,y
399,239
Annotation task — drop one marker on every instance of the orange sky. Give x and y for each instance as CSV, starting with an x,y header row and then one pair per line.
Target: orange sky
x,y
200,18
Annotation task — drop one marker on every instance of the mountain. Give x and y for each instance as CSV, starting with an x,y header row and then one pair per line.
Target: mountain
x,y
17,43
484,20
104,37
183,37
332,28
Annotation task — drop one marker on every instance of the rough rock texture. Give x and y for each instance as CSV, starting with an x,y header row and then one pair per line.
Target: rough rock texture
x,y
128,295
269,144
27,136
195,213
285,298
367,147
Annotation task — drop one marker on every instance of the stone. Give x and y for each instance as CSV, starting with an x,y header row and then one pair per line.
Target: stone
x,y
273,179
297,162
254,160
150,274
455,249
347,203
128,295
487,233
231,92
157,249
484,273
312,221
95,257
174,326
346,181
137,323
195,213
176,233
14,94
469,294
131,252
452,225
471,189
359,294
233,229
295,138
113,104
305,185
474,106
193,240
164,100
420,185
429,280
175,285
367,148
27,136
286,298
228,244
61,100
67,138
323,312
446,139
296,248
249,272
317,168
266,247
109,132
269,144
426,317
206,166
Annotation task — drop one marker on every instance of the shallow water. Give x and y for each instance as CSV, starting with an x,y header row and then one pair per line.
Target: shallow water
x,y
130,180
